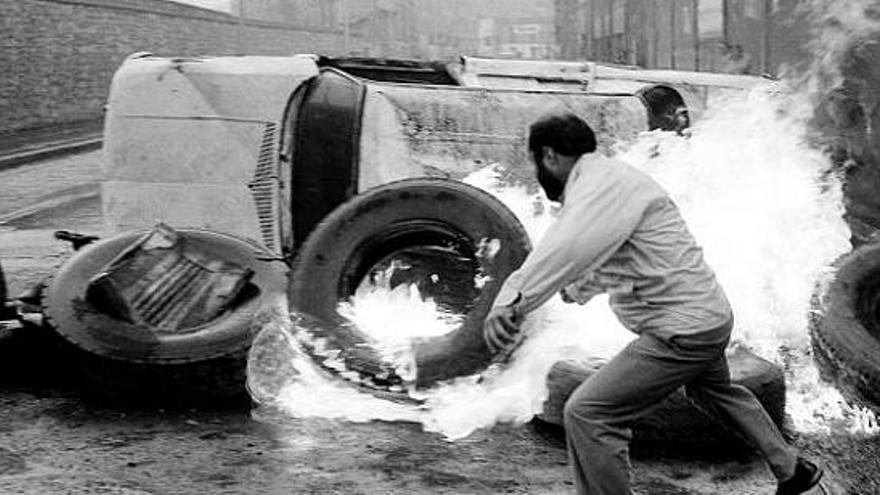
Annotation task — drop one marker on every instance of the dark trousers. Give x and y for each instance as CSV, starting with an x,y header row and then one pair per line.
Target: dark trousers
x,y
599,413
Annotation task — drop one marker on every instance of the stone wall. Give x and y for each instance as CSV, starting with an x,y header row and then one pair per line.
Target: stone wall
x,y
57,57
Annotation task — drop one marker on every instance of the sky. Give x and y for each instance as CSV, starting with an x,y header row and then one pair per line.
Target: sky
x,y
221,5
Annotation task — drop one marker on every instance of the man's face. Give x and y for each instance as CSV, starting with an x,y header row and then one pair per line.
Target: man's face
x,y
545,163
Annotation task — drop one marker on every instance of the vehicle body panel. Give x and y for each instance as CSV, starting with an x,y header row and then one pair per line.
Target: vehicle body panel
x,y
191,142
451,132
696,88
264,147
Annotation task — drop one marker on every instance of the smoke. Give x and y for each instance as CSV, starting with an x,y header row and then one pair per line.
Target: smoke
x,y
764,202
759,199
838,28
755,195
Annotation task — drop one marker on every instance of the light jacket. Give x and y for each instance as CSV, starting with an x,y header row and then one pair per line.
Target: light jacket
x,y
619,232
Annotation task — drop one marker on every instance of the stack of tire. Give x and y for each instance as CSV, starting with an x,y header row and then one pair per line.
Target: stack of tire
x,y
441,221
440,227
845,320
122,361
401,217
845,326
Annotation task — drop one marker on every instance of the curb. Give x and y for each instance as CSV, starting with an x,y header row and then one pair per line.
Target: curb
x,y
16,159
89,191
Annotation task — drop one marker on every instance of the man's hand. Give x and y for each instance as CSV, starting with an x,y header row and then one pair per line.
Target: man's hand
x,y
581,291
500,328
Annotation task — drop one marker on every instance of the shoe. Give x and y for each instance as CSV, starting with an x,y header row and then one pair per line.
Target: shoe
x,y
806,476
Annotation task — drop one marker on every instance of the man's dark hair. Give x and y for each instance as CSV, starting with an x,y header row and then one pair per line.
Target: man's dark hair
x,y
566,134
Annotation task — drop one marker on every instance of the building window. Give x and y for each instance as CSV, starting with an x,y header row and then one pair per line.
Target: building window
x,y
618,12
526,29
711,18
755,8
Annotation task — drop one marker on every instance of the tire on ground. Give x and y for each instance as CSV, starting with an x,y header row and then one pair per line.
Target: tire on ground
x,y
677,419
126,362
667,109
6,312
449,234
3,291
845,326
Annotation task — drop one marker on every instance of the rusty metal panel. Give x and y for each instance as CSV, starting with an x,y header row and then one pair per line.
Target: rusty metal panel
x,y
452,132
161,282
526,74
184,139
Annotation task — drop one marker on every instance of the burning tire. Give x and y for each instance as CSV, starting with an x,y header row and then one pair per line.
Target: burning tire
x,y
456,242
845,326
132,360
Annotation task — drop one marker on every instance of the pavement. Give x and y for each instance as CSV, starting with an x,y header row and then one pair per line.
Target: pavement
x,y
55,441
31,145
49,181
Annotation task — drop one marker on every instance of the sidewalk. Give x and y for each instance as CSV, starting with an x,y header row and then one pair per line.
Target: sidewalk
x,y
19,148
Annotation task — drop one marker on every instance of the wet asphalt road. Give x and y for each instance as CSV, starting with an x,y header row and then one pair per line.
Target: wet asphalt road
x,y
53,440
43,184
36,200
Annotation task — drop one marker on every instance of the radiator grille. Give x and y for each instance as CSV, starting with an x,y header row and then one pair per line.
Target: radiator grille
x,y
265,188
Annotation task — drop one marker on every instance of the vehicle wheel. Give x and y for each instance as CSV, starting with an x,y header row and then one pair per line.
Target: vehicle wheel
x,y
667,109
845,326
128,361
6,312
209,382
4,295
676,419
447,234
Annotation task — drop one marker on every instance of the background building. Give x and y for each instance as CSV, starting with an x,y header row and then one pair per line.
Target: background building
x,y
428,29
431,29
570,25
315,14
380,27
735,36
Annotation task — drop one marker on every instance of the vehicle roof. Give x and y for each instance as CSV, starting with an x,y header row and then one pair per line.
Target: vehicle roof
x,y
495,73
592,76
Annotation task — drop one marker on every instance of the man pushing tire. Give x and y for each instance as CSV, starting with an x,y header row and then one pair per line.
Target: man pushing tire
x,y
619,232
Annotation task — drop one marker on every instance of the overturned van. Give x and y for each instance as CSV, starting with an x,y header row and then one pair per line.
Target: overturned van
x,y
312,173
240,144
296,136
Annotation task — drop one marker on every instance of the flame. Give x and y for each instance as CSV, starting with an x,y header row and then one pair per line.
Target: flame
x,y
837,28
755,195
763,203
